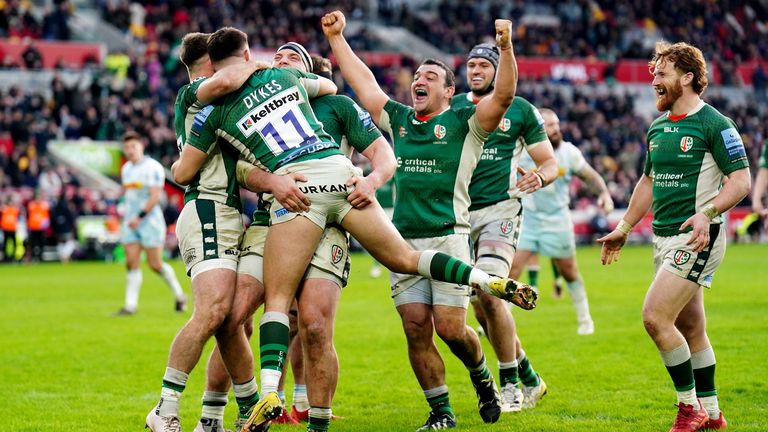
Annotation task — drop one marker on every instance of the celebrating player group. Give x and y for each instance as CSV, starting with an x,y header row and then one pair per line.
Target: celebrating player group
x,y
462,196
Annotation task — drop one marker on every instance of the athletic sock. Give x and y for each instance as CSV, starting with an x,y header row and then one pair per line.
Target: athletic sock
x,y
213,405
678,364
438,400
132,286
281,395
703,364
246,395
319,418
443,267
174,382
273,345
508,373
579,297
300,400
528,376
479,372
533,275
169,276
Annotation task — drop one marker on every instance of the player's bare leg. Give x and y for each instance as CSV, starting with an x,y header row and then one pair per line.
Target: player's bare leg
x,y
165,271
317,315
570,272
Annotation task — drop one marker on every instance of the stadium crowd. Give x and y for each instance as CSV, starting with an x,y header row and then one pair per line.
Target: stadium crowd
x,y
136,91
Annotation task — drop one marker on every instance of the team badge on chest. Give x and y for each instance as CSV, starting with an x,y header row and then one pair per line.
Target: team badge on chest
x,y
440,131
686,143
505,124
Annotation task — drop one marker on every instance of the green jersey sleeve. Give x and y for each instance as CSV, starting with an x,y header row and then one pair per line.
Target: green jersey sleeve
x,y
394,113
185,108
202,134
726,145
469,114
360,130
533,127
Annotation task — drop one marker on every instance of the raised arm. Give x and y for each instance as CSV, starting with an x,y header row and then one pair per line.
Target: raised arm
x,y
227,80
355,72
491,109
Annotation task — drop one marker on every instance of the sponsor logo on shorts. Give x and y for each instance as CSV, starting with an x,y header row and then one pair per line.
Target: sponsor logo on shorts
x,y
337,253
681,257
324,188
231,252
189,256
686,143
506,227
281,212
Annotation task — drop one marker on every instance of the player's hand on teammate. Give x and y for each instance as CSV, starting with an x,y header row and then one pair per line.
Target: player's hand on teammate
x,y
259,65
364,193
529,182
503,33
333,23
700,234
287,192
612,244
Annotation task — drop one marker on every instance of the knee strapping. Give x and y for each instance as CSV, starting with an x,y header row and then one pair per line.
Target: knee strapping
x,y
494,260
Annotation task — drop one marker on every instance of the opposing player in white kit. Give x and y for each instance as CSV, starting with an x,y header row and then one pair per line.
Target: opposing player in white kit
x,y
143,225
547,225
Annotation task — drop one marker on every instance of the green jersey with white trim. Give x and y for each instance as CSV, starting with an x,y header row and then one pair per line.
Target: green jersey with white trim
x,y
763,163
216,180
687,160
435,160
268,120
346,123
496,174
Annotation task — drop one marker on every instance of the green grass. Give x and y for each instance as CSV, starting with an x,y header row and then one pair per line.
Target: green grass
x,y
67,365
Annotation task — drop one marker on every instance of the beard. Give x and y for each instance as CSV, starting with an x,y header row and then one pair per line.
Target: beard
x,y
671,95
483,91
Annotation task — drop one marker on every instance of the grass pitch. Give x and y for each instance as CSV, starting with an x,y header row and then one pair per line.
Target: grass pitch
x,y
67,365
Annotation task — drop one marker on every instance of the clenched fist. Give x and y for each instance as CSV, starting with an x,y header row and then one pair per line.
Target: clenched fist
x,y
503,33
333,23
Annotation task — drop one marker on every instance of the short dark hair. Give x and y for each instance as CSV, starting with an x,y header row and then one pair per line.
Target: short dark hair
x,y
450,78
226,42
193,47
132,135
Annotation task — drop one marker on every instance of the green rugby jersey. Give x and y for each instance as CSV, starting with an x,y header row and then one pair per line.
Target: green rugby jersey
x,y
763,163
496,174
269,120
216,179
435,160
345,122
686,161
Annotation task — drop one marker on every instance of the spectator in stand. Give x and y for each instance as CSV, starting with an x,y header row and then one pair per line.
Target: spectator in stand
x,y
38,222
